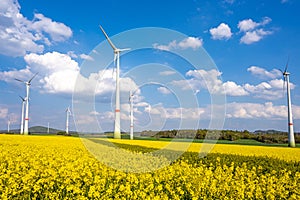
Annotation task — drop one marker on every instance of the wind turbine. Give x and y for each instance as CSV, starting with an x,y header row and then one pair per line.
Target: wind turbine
x,y
22,116
8,125
131,114
117,132
291,137
68,112
27,83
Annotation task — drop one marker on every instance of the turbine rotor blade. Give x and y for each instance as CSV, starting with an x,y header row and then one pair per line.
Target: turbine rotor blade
x,y
19,80
32,77
22,98
109,41
287,64
126,49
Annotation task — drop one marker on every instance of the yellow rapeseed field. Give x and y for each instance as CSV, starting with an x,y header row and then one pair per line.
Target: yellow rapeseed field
x,y
288,154
58,167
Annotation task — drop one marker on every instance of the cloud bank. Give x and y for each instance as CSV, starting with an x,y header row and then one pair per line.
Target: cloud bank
x,y
19,36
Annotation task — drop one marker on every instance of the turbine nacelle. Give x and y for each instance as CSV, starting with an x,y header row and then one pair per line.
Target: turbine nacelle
x,y
68,110
116,51
286,73
23,99
27,82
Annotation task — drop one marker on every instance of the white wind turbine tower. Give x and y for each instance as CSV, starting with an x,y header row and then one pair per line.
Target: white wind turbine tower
x,y
27,83
68,112
291,137
131,114
8,125
22,116
117,132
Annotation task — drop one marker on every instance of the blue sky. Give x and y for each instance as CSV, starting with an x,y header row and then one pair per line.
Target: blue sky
x,y
246,42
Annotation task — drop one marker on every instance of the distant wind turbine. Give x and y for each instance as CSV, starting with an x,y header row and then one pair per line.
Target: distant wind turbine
x,y
117,132
68,112
8,125
131,114
27,83
22,116
291,137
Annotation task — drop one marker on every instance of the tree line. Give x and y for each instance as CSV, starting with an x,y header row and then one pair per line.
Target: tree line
x,y
270,136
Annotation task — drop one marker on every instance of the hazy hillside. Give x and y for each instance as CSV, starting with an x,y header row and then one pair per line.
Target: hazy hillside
x,y
35,130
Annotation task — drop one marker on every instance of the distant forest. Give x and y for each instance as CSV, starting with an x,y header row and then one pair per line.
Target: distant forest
x,y
264,136
269,136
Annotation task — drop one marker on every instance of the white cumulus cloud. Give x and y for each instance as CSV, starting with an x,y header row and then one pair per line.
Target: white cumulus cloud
x,y
176,113
167,73
56,30
263,73
256,111
9,76
3,113
252,31
72,54
86,57
211,80
222,32
247,25
18,35
103,84
189,42
163,90
270,90
59,74
58,71
233,89
234,110
254,36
